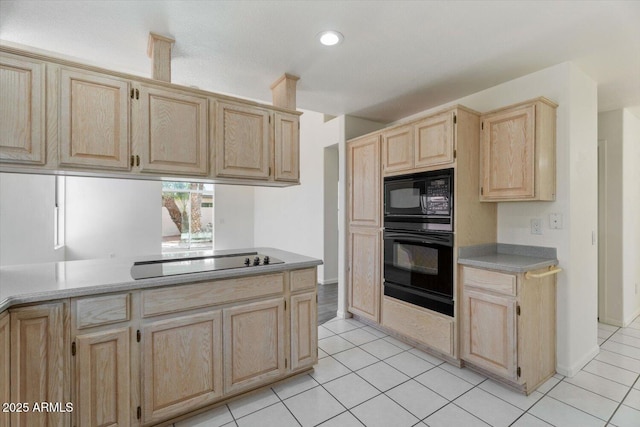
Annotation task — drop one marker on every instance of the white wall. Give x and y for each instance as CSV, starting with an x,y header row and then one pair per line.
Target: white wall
x,y
26,219
233,216
576,200
112,218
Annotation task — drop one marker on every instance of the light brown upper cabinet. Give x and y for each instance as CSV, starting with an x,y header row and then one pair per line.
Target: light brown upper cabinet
x,y
170,131
517,152
287,147
364,181
242,141
22,109
93,120
397,149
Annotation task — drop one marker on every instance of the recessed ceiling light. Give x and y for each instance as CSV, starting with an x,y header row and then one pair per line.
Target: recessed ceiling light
x,y
330,38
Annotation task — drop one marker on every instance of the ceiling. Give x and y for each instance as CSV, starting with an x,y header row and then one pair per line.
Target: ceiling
x,y
397,58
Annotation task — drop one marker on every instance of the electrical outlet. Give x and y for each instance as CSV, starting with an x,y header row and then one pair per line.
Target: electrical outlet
x,y
536,226
555,221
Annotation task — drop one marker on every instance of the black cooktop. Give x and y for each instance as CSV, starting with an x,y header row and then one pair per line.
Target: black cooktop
x,y
188,265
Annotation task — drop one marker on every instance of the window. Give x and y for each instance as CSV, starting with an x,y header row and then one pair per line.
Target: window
x,y
187,216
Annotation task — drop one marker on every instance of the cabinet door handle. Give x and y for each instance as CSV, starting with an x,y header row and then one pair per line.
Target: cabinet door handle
x,y
137,160
132,161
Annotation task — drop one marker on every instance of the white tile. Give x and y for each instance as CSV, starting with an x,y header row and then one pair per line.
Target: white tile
x,y
560,414
355,358
606,327
453,416
313,406
630,332
324,332
601,341
252,402
625,350
426,356
528,420
633,399
409,364
334,344
604,334
599,385
487,407
378,333
381,349
398,343
351,390
340,325
619,360
292,386
548,384
626,339
416,398
611,372
383,412
346,419
584,400
444,383
382,376
274,415
321,353
626,416
359,336
520,400
328,369
464,373
355,323
214,418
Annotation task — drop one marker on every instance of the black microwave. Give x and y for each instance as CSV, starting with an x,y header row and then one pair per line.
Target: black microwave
x,y
421,201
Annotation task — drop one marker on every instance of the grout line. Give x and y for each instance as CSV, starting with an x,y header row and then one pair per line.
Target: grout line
x,y
285,405
623,399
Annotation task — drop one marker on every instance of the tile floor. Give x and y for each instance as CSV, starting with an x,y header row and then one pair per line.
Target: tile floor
x,y
365,377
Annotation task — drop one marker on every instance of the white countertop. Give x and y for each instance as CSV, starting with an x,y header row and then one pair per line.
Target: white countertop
x,y
29,283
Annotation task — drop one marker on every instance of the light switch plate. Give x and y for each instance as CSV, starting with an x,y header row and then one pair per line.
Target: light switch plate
x,y
555,221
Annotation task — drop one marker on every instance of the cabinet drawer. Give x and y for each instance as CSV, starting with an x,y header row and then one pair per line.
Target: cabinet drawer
x,y
97,311
493,281
303,279
185,297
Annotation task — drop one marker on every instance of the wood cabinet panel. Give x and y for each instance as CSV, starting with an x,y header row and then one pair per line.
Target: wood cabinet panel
x,y
182,367
253,344
304,330
22,110
364,274
365,186
434,140
489,332
94,120
103,375
242,141
397,149
5,365
38,362
303,279
492,281
173,131
287,147
104,310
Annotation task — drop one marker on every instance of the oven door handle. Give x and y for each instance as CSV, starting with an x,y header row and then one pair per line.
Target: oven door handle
x,y
420,238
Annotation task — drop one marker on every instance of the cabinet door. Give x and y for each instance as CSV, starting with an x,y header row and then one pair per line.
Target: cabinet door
x,y
365,187
253,344
364,273
182,365
38,363
434,138
397,149
489,332
102,376
304,330
22,110
287,147
5,365
242,141
171,131
94,121
508,154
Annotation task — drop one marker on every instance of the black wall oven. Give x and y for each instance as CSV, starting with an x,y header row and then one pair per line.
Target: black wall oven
x,y
418,239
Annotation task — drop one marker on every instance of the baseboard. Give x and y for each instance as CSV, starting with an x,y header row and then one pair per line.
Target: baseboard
x,y
328,282
343,314
630,320
570,371
613,322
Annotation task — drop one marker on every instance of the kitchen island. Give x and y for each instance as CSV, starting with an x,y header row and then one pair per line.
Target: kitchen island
x,y
145,352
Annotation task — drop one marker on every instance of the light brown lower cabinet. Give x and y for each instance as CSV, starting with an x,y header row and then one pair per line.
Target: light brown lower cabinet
x,y
364,272
182,364
509,325
304,330
253,344
5,365
39,364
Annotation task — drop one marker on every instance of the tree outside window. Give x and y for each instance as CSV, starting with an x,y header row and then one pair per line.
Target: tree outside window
x,y
187,216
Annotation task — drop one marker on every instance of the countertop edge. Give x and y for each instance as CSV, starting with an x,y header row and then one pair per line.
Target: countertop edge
x,y
511,268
